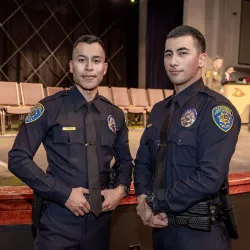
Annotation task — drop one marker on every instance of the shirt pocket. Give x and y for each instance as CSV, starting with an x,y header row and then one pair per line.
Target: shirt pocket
x,y
152,141
67,135
107,147
186,142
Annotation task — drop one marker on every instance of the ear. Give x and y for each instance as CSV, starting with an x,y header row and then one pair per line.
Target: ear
x,y
202,60
105,68
71,66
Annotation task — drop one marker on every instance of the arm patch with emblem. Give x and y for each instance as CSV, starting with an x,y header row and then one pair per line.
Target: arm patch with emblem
x,y
35,113
223,117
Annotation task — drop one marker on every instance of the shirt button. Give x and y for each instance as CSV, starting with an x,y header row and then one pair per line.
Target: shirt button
x,y
180,140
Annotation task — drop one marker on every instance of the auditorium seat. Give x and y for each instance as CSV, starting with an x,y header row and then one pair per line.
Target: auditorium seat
x,y
10,102
154,95
53,90
168,92
31,93
106,92
140,102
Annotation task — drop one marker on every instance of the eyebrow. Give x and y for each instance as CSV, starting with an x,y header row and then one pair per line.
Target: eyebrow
x,y
180,49
87,57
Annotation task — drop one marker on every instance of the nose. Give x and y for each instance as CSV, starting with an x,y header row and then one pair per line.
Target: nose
x,y
174,61
89,65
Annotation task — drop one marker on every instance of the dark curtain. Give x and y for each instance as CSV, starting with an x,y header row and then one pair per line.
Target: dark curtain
x,y
36,39
162,17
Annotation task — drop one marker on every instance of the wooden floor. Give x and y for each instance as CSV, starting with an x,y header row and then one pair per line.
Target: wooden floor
x,y
240,161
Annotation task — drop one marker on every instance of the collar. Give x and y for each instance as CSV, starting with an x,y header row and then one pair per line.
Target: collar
x,y
186,94
79,100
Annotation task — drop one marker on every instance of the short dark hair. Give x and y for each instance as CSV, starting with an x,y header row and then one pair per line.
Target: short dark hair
x,y
185,30
229,67
89,39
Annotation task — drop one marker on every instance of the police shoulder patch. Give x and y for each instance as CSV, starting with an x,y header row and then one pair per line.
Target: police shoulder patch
x,y
35,113
223,117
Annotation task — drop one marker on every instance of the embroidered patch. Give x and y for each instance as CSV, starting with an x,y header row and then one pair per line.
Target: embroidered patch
x,y
188,118
223,117
35,113
111,123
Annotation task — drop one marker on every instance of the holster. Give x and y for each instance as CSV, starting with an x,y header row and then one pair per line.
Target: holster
x,y
230,223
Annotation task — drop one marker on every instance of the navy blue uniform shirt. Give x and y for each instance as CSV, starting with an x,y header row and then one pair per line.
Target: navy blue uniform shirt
x,y
59,123
201,141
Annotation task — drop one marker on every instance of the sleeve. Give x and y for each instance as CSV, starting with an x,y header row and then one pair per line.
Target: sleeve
x,y
21,162
122,156
143,171
214,151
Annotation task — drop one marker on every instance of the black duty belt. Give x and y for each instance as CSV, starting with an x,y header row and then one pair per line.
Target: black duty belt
x,y
200,216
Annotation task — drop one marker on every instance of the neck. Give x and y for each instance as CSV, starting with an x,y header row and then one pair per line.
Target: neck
x,y
181,87
89,95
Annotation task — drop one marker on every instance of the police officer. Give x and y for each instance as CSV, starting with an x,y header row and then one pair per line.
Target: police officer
x,y
81,133
180,167
214,77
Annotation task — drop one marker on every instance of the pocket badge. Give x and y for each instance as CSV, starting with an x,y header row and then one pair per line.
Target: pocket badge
x,y
111,123
188,118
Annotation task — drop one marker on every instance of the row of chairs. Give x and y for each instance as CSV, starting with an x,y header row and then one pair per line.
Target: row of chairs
x,y
134,100
19,98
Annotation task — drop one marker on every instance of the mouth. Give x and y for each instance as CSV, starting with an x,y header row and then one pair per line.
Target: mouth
x,y
175,72
89,77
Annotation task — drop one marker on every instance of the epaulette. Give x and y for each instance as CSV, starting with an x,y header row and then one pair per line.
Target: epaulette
x,y
107,100
218,97
56,95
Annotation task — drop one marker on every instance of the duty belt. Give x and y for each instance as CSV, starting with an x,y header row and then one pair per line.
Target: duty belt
x,y
200,216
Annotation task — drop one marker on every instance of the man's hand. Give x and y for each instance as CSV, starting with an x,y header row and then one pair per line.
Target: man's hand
x,y
143,210
158,221
112,198
77,203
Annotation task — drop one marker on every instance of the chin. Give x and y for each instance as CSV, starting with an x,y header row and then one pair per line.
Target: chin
x,y
88,86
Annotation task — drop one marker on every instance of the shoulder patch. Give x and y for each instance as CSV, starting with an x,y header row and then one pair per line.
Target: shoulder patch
x,y
208,74
35,113
223,117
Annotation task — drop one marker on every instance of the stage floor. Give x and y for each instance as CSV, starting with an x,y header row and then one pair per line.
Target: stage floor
x,y
240,161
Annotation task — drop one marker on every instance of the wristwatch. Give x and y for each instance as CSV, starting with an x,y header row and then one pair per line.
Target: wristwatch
x,y
152,202
150,199
126,189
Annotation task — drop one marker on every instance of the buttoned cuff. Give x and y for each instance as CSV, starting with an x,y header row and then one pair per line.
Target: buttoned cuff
x,y
162,203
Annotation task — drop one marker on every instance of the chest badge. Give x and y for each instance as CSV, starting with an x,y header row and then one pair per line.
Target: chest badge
x,y
35,113
111,123
188,118
223,117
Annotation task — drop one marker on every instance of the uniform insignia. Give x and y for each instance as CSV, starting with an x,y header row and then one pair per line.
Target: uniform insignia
x,y
149,125
223,117
35,113
215,73
208,73
188,118
111,123
68,128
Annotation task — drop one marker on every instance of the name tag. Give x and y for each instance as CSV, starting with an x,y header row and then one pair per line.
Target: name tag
x,y
68,128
